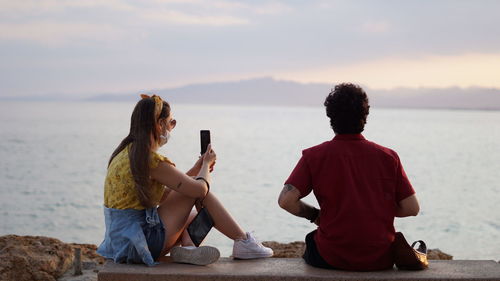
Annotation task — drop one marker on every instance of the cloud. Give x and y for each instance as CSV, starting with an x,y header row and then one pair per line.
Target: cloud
x,y
466,70
56,34
211,13
26,8
159,42
265,8
181,18
185,12
272,8
53,23
375,27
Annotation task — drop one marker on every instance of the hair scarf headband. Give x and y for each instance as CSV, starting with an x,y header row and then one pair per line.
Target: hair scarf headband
x,y
158,104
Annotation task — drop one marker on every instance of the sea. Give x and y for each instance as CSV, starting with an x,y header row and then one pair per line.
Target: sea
x,y
53,159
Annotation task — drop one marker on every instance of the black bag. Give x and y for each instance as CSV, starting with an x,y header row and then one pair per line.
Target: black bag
x,y
200,226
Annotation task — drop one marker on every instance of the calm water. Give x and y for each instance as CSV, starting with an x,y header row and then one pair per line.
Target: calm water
x,y
54,155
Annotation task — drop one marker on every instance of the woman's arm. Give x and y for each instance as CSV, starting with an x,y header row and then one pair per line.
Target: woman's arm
x,y
196,168
176,180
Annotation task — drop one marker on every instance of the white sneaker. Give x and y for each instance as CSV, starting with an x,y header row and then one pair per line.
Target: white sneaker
x,y
195,255
250,249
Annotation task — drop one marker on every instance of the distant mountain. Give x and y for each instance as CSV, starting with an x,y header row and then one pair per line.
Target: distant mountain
x,y
261,91
452,98
269,91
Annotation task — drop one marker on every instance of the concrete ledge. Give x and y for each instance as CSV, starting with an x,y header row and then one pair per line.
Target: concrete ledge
x,y
293,270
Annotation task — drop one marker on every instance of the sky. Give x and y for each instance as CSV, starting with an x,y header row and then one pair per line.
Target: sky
x,y
88,47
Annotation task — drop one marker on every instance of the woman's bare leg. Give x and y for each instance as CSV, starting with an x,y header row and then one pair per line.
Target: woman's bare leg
x,y
223,221
185,238
174,212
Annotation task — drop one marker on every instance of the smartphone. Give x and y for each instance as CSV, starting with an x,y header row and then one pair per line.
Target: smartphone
x,y
204,140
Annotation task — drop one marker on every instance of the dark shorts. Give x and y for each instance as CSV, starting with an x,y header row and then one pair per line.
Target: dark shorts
x,y
312,256
155,237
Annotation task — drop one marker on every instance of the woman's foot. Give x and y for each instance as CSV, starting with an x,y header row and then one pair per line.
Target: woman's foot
x,y
250,248
195,255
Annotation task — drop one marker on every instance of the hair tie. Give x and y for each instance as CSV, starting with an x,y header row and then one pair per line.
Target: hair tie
x,y
158,104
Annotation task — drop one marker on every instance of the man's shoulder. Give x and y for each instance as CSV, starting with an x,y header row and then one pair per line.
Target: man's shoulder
x,y
317,148
383,149
326,146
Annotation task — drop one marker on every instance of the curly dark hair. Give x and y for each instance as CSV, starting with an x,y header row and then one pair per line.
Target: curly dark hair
x,y
347,107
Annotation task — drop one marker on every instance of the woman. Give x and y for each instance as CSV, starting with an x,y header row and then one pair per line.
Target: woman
x,y
148,202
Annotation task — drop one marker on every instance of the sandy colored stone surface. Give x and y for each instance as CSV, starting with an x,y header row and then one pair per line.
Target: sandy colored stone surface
x,y
33,258
286,250
295,269
436,254
89,273
89,253
92,263
45,259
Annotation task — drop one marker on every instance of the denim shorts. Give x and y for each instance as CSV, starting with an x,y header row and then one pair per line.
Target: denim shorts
x,y
132,236
155,238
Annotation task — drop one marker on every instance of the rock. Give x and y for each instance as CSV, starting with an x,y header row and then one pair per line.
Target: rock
x,y
89,274
286,250
42,258
436,254
91,264
33,258
89,253
86,265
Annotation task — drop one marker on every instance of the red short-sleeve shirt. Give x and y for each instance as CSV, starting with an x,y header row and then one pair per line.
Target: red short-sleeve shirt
x,y
357,184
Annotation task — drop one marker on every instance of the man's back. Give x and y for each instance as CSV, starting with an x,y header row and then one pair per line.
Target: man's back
x,y
360,187
357,184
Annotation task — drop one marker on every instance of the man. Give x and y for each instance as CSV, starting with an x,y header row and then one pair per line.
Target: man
x,y
360,187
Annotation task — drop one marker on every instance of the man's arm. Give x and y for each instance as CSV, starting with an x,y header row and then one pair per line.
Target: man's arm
x,y
408,207
289,200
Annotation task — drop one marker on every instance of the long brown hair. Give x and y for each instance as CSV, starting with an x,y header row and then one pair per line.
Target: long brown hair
x,y
142,126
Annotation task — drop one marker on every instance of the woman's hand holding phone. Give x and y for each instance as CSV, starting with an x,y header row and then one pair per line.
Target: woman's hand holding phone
x,y
209,158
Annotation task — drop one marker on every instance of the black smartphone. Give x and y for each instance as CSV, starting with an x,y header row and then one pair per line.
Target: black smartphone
x,y
204,140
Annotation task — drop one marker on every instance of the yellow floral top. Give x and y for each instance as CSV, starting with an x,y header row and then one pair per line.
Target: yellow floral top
x,y
119,186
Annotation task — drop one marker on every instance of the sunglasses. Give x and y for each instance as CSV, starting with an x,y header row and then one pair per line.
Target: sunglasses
x,y
173,122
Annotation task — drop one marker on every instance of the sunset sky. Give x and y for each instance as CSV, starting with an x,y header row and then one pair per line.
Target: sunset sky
x,y
87,47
